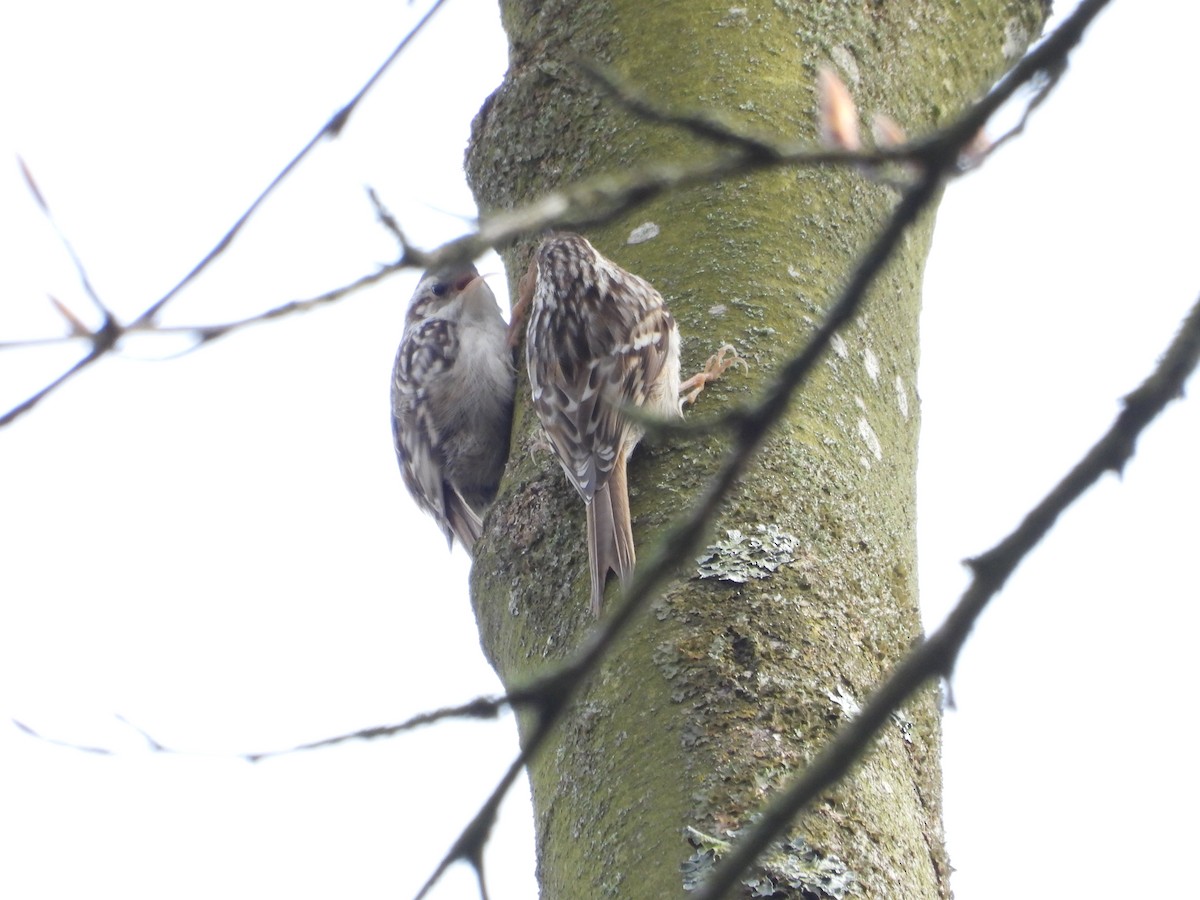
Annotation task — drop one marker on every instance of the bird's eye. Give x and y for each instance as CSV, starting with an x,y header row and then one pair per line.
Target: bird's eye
x,y
440,288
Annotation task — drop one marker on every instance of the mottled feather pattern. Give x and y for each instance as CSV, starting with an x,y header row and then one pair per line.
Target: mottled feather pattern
x,y
427,350
600,341
452,394
611,337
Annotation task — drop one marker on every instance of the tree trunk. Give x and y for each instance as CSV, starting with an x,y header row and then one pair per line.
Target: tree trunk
x,y
742,671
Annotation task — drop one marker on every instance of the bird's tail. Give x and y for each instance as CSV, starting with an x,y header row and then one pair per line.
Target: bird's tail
x,y
462,522
610,533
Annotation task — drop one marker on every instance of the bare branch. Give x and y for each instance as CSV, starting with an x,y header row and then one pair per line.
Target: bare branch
x,y
330,129
150,741
75,260
388,221
75,326
207,333
601,199
479,708
471,843
99,751
102,341
703,125
936,656
105,338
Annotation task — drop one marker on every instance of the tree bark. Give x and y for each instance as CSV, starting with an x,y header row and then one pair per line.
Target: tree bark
x,y
744,669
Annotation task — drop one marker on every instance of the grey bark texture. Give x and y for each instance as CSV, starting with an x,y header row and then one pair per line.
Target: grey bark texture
x,y
753,658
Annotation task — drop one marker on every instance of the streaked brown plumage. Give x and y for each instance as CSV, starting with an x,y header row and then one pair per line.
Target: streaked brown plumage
x,y
599,340
452,397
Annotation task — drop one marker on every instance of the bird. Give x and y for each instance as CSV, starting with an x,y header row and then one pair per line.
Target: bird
x,y
599,341
453,386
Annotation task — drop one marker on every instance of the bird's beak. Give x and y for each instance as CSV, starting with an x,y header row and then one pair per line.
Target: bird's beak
x,y
474,291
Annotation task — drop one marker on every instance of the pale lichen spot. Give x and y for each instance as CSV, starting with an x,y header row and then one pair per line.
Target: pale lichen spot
x,y
871,363
838,343
744,556
556,204
1016,39
901,396
867,433
718,309
845,701
845,60
736,15
647,231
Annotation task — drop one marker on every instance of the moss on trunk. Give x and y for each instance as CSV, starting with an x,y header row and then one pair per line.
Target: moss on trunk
x,y
724,692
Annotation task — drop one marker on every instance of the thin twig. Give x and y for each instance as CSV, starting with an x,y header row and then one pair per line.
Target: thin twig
x,y
105,338
479,708
701,124
473,839
99,751
97,351
331,129
80,270
388,221
207,333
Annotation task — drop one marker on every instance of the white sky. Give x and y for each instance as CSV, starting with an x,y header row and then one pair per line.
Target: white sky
x,y
219,547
